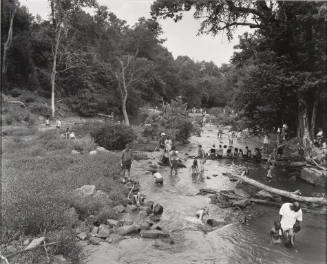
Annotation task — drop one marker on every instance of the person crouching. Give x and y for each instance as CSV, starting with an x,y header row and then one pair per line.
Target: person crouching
x,y
158,179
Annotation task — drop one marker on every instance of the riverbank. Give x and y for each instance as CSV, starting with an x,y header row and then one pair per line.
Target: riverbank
x,y
236,241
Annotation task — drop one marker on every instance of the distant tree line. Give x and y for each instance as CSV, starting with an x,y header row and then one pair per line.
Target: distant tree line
x,y
279,74
96,63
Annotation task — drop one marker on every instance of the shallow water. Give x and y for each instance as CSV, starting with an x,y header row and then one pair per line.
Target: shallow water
x,y
233,243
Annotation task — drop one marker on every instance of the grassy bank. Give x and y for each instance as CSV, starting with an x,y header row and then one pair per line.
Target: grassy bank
x,y
39,174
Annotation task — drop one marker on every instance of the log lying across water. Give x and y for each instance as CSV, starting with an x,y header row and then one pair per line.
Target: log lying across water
x,y
291,195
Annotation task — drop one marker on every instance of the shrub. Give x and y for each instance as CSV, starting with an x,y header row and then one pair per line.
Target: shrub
x,y
41,110
85,144
114,136
15,92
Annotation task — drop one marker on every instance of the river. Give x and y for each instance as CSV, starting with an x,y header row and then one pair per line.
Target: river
x,y
232,243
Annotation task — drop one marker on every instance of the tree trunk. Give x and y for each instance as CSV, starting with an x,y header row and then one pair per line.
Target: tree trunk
x,y
54,70
124,93
318,200
303,124
7,45
314,116
124,100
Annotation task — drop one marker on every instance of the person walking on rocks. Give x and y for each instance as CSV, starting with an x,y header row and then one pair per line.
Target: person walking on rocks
x,y
126,161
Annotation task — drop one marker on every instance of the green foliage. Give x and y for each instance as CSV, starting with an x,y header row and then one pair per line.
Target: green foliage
x,y
113,136
173,121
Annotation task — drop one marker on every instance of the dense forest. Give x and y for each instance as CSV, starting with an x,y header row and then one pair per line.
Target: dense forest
x,y
93,60
93,53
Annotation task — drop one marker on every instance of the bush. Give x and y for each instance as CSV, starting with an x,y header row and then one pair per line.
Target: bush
x,y
41,110
15,92
114,136
84,145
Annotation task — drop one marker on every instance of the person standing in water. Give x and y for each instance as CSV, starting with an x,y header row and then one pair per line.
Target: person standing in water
x,y
173,160
201,156
290,216
126,161
195,170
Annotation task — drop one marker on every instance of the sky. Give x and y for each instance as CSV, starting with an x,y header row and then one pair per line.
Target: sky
x,y
181,37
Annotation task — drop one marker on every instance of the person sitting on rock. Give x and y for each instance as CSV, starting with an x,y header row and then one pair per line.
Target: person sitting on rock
x,y
220,152
276,233
229,152
158,179
235,153
202,213
157,209
212,151
225,151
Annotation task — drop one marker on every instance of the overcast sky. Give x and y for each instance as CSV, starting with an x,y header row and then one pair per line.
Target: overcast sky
x,y
181,37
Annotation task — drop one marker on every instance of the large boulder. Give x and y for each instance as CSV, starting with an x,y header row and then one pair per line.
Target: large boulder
x,y
85,190
104,231
112,223
241,203
154,233
87,200
128,229
264,195
314,176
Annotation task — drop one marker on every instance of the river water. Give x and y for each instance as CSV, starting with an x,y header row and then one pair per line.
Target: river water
x,y
232,243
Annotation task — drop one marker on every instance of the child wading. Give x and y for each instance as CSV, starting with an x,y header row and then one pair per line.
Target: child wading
x,y
126,161
276,233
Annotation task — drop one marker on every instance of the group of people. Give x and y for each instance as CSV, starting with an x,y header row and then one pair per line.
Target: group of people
x,y
169,153
224,151
68,134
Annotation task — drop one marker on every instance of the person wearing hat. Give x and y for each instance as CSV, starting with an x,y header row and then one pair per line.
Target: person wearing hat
x,y
290,216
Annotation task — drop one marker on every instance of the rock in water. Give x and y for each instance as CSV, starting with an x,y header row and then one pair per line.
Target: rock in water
x,y
93,152
82,236
128,229
95,240
154,234
119,209
104,231
264,195
314,176
112,222
59,259
35,242
241,203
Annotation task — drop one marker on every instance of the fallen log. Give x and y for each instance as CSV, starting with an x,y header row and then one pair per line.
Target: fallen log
x,y
290,195
17,102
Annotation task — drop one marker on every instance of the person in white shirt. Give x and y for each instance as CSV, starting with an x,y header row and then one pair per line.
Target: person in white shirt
x,y
158,179
58,124
47,122
290,218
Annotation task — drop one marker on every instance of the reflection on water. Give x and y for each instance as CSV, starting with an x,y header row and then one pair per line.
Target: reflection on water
x,y
233,243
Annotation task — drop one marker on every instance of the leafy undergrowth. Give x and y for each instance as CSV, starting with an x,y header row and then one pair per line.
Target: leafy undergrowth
x,y
38,176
